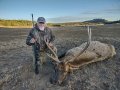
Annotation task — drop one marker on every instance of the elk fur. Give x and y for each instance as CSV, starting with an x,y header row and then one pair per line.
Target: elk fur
x,y
74,59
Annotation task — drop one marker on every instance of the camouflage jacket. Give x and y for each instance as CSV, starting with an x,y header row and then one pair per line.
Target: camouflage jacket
x,y
40,36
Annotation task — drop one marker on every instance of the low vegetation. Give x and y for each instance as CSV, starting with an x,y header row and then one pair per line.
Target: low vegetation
x,y
27,23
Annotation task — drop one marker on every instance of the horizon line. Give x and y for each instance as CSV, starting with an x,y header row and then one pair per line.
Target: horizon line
x,y
60,22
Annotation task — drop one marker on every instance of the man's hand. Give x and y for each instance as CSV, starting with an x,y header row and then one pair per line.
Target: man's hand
x,y
50,44
32,40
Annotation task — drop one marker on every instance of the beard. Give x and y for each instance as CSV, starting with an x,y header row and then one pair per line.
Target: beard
x,y
41,27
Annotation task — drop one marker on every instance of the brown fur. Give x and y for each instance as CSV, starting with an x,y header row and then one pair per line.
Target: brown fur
x,y
89,52
89,56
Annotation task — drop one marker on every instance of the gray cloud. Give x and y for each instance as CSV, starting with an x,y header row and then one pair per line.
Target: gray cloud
x,y
112,10
68,19
87,15
89,12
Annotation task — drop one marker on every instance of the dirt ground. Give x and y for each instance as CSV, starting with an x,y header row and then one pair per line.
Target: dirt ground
x,y
16,71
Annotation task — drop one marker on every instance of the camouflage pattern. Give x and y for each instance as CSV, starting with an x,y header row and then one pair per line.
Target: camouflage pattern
x,y
39,47
40,36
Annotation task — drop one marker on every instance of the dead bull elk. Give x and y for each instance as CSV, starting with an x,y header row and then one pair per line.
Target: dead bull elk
x,y
88,52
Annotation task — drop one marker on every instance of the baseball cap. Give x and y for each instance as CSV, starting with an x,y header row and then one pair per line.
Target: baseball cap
x,y
41,19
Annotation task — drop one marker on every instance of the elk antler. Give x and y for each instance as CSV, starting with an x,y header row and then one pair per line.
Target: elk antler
x,y
55,57
88,43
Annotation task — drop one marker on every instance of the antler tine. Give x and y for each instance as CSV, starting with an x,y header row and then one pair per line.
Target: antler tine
x,y
55,58
90,34
88,43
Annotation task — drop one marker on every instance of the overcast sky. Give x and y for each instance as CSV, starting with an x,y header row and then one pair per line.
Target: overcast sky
x,y
60,10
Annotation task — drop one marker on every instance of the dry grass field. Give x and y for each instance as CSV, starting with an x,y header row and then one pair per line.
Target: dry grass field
x,y
16,72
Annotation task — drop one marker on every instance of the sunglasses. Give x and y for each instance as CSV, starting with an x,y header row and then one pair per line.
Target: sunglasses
x,y
41,23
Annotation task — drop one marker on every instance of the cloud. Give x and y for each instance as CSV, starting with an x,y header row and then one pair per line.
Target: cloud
x,y
64,19
87,15
112,10
68,19
89,12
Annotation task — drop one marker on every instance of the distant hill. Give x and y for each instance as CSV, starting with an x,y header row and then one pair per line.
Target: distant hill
x,y
103,21
97,21
113,22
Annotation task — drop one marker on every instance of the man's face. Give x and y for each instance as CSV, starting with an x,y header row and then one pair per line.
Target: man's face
x,y
41,24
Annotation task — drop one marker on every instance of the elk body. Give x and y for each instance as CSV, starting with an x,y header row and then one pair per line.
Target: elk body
x,y
86,53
